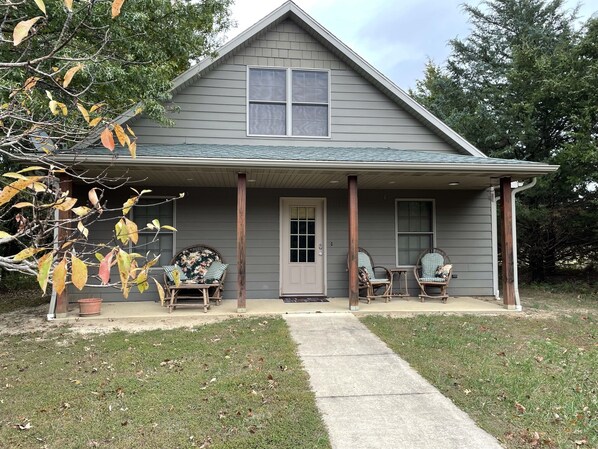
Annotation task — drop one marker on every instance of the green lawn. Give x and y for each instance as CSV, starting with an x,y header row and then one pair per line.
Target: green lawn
x,y
530,380
234,384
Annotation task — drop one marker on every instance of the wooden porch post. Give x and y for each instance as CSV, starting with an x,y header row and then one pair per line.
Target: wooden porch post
x,y
353,244
241,242
62,299
506,210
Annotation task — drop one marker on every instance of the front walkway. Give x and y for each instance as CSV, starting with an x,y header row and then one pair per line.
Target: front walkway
x,y
369,397
153,310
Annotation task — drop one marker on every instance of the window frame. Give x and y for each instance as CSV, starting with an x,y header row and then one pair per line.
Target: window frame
x,y
166,231
288,102
433,233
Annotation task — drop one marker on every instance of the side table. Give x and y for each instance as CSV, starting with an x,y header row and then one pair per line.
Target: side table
x,y
398,290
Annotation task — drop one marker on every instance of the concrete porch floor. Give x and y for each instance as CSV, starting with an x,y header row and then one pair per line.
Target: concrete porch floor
x,y
228,308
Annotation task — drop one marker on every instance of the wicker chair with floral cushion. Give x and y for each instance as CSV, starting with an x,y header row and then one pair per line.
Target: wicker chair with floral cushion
x,y
197,264
433,270
369,283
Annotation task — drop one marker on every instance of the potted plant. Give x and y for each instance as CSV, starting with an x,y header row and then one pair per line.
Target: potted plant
x,y
89,306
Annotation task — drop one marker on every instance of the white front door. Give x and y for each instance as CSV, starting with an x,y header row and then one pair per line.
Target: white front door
x,y
302,248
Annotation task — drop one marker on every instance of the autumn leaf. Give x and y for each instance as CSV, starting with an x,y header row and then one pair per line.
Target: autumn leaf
x,y
124,269
30,83
68,76
68,4
40,4
107,139
123,139
81,211
160,291
43,265
96,106
78,272
59,276
83,111
133,149
129,204
93,123
12,189
132,230
520,408
169,228
82,229
93,198
105,266
4,235
116,6
26,253
65,204
22,30
121,232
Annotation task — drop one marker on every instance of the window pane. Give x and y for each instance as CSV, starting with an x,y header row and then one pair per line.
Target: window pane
x,y
267,85
310,120
147,210
294,255
162,246
268,119
310,86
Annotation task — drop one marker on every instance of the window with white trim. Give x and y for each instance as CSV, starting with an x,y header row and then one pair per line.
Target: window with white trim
x,y
288,102
147,210
415,229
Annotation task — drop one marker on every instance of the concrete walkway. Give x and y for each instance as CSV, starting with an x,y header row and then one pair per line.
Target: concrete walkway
x,y
371,398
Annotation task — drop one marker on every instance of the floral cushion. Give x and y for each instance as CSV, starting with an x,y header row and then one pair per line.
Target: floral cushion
x,y
195,261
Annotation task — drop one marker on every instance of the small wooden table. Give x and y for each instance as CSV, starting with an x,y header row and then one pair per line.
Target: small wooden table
x,y
395,290
176,293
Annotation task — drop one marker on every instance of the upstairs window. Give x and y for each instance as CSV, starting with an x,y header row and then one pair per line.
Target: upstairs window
x,y
288,102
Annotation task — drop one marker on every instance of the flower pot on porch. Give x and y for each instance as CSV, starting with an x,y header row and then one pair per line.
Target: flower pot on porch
x,y
89,306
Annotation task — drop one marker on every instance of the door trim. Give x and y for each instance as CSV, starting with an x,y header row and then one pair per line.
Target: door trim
x,y
281,201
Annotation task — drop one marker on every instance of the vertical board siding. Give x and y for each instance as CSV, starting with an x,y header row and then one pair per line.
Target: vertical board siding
x,y
208,216
213,108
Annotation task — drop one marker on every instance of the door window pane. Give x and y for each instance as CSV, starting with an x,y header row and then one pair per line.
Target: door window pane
x,y
302,238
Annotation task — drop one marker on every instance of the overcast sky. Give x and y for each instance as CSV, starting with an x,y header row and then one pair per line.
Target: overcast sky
x,y
395,36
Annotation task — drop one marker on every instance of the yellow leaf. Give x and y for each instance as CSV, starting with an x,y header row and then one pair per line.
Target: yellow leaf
x,y
22,30
170,228
65,204
96,106
133,149
68,4
40,4
160,291
176,276
49,95
124,268
156,223
120,134
32,168
14,175
107,139
93,198
59,276
43,273
63,108
130,131
129,204
83,111
81,211
22,205
83,230
12,189
95,122
4,235
30,83
142,284
132,230
39,187
99,256
78,272
26,253
53,107
116,5
68,76
121,231
139,110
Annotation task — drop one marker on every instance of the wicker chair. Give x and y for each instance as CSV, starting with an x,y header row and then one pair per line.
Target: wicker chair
x,y
193,265
433,270
373,286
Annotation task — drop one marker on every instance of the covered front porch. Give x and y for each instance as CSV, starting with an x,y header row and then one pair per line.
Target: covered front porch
x,y
151,311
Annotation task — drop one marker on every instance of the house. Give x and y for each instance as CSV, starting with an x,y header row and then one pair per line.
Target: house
x,y
293,151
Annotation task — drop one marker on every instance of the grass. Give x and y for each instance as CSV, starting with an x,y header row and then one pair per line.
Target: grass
x,y
233,384
529,380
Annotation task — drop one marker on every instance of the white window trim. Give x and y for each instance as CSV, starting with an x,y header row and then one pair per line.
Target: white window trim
x,y
157,198
397,201
288,102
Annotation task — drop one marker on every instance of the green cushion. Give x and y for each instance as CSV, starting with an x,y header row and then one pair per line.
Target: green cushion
x,y
168,269
364,261
215,272
433,279
430,262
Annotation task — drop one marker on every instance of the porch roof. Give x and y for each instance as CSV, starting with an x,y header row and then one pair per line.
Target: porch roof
x,y
275,166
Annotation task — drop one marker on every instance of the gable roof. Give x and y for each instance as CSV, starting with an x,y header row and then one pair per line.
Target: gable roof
x,y
290,10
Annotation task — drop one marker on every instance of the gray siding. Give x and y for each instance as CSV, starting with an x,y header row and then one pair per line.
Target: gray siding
x,y
213,108
463,224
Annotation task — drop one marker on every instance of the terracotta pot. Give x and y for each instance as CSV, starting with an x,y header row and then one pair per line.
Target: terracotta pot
x,y
89,306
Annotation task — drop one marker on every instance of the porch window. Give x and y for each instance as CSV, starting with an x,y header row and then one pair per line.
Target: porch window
x,y
288,102
146,210
415,229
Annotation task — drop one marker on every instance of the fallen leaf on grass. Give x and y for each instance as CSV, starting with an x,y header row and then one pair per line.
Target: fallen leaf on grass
x,y
539,358
520,408
581,442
